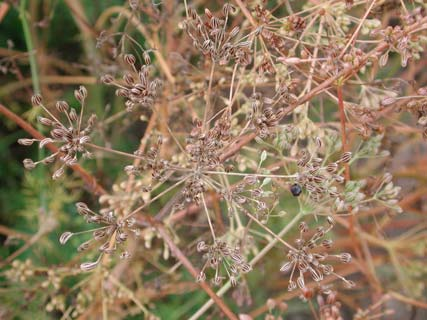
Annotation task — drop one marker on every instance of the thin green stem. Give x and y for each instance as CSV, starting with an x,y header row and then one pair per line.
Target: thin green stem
x,y
30,47
208,217
36,88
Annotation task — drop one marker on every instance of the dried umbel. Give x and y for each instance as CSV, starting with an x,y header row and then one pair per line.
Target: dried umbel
x,y
70,136
195,186
264,115
205,148
318,179
415,104
329,307
136,86
251,196
310,258
111,232
227,262
151,161
407,44
210,36
366,119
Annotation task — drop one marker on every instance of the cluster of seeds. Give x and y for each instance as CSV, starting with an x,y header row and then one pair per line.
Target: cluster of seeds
x,y
70,136
204,148
112,232
307,257
151,161
136,87
264,116
365,119
194,187
319,180
329,308
221,254
249,196
401,42
418,107
210,36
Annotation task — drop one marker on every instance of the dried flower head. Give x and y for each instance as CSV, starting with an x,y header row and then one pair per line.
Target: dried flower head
x,y
251,196
210,36
220,256
70,136
329,307
136,86
310,257
264,116
318,179
111,232
152,161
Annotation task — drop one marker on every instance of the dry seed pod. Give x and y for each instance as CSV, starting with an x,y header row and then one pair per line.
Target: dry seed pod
x,y
107,79
88,266
146,57
29,164
65,237
26,142
36,100
130,59
62,106
345,157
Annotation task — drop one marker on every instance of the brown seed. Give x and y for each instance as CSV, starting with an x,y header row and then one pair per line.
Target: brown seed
x,y
62,106
107,79
25,142
29,164
65,237
36,100
130,59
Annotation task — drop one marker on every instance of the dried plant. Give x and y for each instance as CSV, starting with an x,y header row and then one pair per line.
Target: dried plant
x,y
225,140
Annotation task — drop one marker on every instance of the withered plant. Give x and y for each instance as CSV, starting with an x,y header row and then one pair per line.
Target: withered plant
x,y
268,154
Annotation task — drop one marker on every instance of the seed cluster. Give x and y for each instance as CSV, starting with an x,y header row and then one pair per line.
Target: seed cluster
x,y
136,87
152,161
329,307
319,180
249,195
308,259
221,254
204,148
210,36
408,45
365,119
264,116
70,135
112,232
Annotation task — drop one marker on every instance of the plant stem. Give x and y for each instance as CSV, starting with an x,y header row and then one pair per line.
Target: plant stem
x,y
36,88
30,47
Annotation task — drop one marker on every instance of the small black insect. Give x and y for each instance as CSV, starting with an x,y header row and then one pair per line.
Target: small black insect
x,y
296,189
